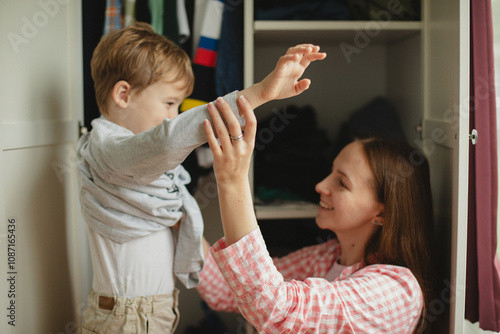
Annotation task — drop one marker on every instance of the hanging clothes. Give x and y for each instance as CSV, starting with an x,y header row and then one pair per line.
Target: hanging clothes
x,y
175,21
113,18
291,161
187,40
229,69
129,17
205,58
408,10
170,25
182,22
142,11
156,8
209,13
302,10
206,54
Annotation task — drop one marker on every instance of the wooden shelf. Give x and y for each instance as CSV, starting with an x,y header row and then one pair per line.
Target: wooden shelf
x,y
266,32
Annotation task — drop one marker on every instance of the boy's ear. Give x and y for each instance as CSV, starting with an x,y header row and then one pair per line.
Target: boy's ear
x,y
121,93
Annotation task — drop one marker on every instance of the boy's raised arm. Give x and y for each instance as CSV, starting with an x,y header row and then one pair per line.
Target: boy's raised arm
x,y
284,81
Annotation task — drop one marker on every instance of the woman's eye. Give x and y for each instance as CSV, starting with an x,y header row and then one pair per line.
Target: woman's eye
x,y
342,184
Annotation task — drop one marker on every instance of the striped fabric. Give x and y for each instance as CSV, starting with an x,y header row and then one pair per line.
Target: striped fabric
x,y
206,54
205,57
363,299
113,17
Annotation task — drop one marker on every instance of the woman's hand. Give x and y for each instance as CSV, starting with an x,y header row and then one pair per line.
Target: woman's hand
x,y
232,157
231,162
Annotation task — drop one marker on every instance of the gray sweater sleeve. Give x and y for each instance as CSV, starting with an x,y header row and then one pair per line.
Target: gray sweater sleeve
x,y
126,195
147,155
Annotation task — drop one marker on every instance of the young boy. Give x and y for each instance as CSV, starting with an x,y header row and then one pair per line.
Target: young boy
x,y
132,184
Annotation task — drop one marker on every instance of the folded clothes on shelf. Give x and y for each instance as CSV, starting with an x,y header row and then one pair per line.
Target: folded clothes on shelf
x,y
302,10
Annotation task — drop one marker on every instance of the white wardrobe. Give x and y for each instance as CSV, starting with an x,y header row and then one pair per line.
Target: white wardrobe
x,y
422,67
45,272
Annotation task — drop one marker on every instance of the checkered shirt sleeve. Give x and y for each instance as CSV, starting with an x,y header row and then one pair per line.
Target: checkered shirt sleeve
x,y
373,299
296,265
214,289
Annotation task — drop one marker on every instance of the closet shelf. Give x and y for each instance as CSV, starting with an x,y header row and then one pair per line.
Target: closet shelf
x,y
295,210
333,31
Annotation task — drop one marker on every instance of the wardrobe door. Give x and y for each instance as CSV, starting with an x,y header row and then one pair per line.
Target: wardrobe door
x,y
40,106
445,139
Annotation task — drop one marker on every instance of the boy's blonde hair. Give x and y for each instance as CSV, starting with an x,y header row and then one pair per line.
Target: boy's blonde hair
x,y
139,56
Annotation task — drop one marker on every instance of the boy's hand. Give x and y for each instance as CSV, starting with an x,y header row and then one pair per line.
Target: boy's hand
x,y
283,81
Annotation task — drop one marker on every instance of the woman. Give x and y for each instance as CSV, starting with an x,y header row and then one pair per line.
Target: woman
x,y
375,277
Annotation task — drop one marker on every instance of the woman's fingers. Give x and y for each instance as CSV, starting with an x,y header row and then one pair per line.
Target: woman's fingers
x,y
209,132
250,121
229,132
226,124
233,155
232,122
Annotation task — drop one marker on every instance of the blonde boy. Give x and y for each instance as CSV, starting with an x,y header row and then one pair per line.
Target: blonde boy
x,y
132,184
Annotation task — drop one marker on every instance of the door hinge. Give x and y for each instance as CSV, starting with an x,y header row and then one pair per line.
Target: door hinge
x,y
473,136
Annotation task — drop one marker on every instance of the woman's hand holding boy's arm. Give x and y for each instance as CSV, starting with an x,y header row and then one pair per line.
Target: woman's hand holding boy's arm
x,y
232,156
231,163
283,81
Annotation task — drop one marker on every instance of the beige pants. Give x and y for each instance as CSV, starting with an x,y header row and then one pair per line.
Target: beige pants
x,y
153,314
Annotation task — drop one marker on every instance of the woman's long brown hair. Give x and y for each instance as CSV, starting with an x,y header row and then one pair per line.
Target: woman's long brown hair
x,y
402,183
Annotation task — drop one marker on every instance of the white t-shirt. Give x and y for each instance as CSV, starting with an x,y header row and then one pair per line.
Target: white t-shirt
x,y
335,271
141,267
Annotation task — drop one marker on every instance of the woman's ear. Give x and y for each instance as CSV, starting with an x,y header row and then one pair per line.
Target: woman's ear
x,y
121,93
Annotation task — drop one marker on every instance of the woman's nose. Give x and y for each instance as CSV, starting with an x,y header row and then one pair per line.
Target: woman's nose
x,y
321,187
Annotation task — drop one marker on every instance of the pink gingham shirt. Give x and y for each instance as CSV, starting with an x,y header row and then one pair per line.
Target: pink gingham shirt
x,y
289,295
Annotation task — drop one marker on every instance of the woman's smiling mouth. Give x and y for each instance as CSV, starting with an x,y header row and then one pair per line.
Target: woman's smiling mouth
x,y
325,206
